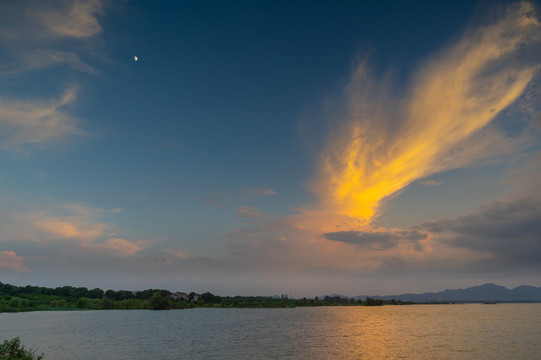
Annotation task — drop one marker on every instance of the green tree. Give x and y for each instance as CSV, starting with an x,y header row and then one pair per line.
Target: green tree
x,y
79,292
64,291
107,303
160,301
211,298
13,350
96,293
373,302
15,302
8,289
83,302
123,295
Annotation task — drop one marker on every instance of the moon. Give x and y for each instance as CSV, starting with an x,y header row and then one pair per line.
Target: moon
x,y
135,58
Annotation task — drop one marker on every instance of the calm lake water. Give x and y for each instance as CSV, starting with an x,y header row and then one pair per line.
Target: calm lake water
x,y
475,331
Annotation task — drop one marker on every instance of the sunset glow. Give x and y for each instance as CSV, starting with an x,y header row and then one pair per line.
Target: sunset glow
x,y
259,148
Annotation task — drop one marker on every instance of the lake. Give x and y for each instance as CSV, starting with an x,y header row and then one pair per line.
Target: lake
x,y
472,331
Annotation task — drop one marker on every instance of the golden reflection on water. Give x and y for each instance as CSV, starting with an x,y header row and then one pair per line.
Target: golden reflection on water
x,y
362,333
473,331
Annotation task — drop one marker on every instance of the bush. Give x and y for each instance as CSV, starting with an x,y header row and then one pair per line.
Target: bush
x,y
13,350
160,301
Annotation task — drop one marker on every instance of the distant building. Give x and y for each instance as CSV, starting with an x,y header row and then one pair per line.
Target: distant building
x,y
180,295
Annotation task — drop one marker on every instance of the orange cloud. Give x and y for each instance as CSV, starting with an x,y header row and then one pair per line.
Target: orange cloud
x,y
10,261
69,229
80,226
385,144
119,246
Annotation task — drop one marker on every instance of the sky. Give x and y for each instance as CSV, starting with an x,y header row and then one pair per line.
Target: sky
x,y
260,148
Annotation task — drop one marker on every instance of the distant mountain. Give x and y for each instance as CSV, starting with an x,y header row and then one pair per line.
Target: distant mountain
x,y
335,296
339,295
482,293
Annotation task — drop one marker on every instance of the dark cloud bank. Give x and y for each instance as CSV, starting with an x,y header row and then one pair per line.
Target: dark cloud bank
x,y
510,231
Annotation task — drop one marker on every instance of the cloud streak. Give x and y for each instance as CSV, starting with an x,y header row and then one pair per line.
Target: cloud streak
x,y
71,226
430,182
44,58
38,21
378,240
259,191
33,122
78,19
35,36
249,212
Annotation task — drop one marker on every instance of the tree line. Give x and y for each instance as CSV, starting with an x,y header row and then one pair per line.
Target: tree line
x,y
31,298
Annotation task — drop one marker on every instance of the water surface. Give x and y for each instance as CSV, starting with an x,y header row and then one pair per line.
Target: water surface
x,y
474,331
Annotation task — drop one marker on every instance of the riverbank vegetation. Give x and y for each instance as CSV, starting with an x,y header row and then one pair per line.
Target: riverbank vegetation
x,y
14,350
32,298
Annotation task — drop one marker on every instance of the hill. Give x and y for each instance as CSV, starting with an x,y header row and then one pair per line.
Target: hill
x,y
481,293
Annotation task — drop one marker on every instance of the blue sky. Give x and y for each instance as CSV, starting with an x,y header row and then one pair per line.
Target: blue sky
x,y
262,148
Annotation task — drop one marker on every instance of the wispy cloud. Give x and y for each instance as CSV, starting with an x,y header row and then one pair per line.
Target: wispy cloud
x,y
38,21
430,182
10,261
36,122
78,19
44,58
36,36
249,212
73,225
119,246
385,144
259,191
